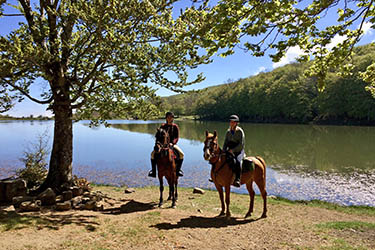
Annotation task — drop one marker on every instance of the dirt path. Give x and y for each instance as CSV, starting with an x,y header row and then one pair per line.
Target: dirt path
x,y
133,221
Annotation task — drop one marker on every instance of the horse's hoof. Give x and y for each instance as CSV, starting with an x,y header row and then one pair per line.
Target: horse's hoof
x,y
227,217
264,216
221,214
173,206
247,215
160,204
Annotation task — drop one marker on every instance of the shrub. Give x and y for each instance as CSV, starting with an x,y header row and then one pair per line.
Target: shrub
x,y
34,158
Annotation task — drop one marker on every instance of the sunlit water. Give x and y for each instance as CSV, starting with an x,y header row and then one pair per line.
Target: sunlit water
x,y
329,163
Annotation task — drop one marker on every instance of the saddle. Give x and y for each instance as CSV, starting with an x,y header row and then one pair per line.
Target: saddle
x,y
247,163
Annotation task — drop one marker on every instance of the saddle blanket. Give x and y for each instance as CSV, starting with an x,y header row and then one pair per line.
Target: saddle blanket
x,y
247,165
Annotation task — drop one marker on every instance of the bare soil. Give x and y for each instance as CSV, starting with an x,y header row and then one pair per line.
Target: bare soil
x,y
134,221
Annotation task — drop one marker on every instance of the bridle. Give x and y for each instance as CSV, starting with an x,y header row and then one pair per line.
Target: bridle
x,y
160,145
214,152
211,147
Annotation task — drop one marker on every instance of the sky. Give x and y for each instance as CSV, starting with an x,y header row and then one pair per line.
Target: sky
x,y
221,70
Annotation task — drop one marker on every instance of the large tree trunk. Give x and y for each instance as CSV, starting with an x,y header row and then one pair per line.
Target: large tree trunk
x,y
60,168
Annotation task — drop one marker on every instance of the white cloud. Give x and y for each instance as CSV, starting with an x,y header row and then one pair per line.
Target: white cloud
x,y
336,40
291,54
294,52
367,30
261,69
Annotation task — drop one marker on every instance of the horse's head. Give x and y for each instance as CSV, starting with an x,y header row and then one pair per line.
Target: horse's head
x,y
210,145
161,140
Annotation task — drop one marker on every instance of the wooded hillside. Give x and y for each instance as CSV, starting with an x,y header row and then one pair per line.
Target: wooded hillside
x,y
285,95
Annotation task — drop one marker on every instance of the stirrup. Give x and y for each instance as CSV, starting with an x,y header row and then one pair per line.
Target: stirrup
x,y
237,183
152,174
210,180
180,173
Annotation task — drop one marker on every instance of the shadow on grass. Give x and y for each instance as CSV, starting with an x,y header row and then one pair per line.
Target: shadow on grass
x,y
11,220
204,222
131,206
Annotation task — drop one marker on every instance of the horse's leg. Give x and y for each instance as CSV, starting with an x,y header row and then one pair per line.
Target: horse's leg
x,y
221,195
172,186
227,199
261,183
161,191
170,194
250,189
176,194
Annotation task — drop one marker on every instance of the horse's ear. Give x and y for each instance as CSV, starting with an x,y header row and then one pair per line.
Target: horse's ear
x,y
206,133
215,134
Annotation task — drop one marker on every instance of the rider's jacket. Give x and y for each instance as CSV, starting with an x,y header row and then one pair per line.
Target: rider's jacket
x,y
173,131
234,140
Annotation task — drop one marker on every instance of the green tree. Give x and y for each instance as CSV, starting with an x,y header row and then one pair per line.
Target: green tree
x,y
277,25
97,58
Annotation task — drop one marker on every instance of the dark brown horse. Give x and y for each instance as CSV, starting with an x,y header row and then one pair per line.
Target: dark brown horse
x,y
223,176
166,165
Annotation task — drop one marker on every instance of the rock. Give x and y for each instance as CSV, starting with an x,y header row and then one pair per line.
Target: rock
x,y
63,206
48,197
76,201
12,188
59,198
90,205
68,195
80,206
85,200
77,191
99,206
198,191
29,206
2,191
19,199
129,190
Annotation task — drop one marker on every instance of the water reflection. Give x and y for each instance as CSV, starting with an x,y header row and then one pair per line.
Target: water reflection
x,y
290,147
329,163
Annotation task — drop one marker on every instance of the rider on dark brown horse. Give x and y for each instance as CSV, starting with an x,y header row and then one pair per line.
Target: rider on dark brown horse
x,y
174,133
234,143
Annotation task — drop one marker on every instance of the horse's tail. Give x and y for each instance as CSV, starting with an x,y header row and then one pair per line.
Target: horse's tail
x,y
263,163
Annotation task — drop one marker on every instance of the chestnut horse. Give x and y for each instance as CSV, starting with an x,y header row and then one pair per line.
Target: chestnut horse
x,y
223,176
166,165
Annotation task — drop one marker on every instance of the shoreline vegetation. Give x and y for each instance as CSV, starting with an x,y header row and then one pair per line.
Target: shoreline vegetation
x,y
335,122
133,221
27,118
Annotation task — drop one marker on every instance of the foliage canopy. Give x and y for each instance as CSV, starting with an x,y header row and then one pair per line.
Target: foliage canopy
x,y
275,26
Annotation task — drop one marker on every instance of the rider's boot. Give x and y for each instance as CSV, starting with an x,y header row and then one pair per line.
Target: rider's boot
x,y
152,173
178,167
237,182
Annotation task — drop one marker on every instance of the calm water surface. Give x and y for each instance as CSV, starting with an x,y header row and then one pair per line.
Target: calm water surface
x,y
330,163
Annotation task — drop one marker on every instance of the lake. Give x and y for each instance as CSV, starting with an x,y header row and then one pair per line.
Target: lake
x,y
304,162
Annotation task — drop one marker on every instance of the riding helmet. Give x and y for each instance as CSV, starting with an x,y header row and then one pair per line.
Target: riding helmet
x,y
234,118
169,114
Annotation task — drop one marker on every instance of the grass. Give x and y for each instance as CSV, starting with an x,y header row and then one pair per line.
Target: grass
x,y
341,244
342,225
14,221
143,225
365,210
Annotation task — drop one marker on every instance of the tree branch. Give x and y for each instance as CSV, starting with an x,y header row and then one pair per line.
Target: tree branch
x,y
28,95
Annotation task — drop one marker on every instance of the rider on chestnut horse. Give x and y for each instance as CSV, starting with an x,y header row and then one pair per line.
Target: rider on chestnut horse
x,y
174,133
234,143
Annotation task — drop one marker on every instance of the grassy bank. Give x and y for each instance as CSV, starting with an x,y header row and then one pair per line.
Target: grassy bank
x,y
133,221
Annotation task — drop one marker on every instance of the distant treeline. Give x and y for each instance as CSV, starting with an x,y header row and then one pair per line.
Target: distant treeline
x,y
31,117
285,95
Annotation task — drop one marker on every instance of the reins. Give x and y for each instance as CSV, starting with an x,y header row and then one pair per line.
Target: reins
x,y
219,155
